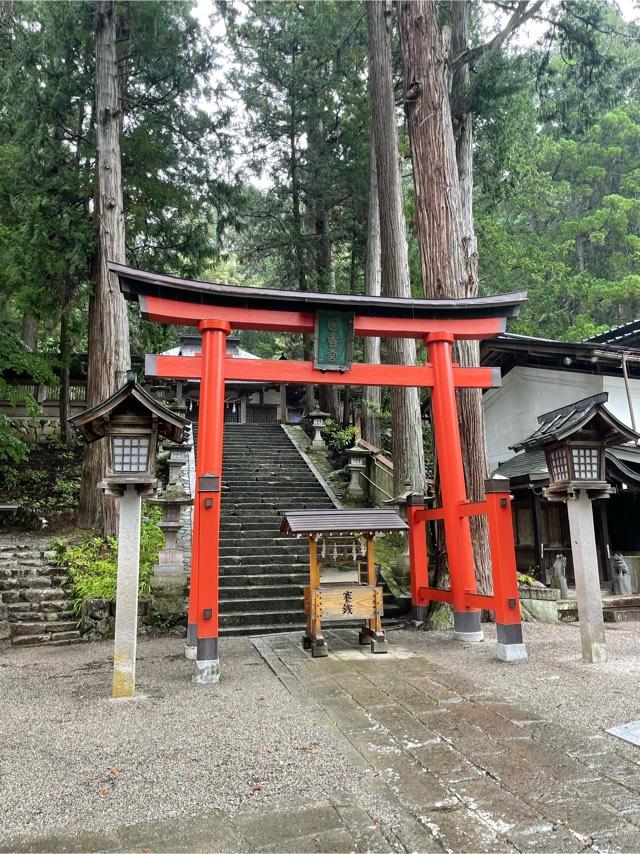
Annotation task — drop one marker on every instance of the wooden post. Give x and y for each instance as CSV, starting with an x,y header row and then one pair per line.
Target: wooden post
x,y
313,639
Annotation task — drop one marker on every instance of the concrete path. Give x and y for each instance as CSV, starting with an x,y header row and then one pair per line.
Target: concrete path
x,y
460,770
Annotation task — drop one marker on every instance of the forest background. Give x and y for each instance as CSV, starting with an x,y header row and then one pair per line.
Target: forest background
x,y
245,150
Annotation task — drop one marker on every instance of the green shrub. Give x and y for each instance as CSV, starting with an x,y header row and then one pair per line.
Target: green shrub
x,y
92,564
338,439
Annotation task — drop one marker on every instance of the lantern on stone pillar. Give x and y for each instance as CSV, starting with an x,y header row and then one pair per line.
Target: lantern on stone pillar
x,y
574,439
131,421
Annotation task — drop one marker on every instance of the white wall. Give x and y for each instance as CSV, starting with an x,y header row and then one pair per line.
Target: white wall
x,y
511,411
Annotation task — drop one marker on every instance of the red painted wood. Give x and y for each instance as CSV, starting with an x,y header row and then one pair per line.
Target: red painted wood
x,y
266,370
418,556
206,533
452,483
402,327
163,310
503,557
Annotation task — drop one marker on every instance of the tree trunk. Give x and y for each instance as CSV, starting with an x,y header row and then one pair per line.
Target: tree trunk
x,y
65,355
406,423
372,395
346,406
444,217
109,357
29,333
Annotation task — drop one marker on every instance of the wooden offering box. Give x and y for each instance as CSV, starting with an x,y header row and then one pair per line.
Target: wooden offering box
x,y
336,600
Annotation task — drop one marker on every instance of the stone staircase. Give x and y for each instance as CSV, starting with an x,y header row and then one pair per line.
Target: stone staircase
x,y
38,609
263,572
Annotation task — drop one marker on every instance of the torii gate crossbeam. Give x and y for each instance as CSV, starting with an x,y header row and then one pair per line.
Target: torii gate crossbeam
x,y
215,308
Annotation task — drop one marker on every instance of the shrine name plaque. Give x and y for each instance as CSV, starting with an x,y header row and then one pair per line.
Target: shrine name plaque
x,y
358,602
333,346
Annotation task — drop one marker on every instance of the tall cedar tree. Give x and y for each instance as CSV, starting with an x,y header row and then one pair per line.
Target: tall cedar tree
x,y
109,356
406,423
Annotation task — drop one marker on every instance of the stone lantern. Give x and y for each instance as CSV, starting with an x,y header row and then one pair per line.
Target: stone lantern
x,y
170,569
131,421
357,465
574,438
318,419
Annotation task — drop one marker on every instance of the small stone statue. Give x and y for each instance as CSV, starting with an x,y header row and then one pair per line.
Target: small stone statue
x,y
559,581
621,576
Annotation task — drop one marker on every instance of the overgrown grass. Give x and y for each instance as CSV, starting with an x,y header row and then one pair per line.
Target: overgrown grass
x,y
92,563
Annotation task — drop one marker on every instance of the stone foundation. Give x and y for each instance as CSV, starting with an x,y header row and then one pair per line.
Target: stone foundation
x,y
539,604
35,429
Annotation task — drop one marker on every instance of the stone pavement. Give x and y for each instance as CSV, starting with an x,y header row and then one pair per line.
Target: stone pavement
x,y
455,769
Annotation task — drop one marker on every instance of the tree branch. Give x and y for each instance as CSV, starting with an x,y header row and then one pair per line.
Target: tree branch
x,y
522,13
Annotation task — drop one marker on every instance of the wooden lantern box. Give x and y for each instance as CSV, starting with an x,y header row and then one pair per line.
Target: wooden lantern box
x,y
337,600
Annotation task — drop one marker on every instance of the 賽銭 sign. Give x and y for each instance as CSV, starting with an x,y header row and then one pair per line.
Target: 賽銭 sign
x,y
333,349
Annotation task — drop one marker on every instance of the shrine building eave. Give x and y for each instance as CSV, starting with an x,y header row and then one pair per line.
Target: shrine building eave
x,y
140,285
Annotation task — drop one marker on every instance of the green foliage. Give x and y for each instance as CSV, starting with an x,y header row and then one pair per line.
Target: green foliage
x,y
92,563
526,580
45,479
338,439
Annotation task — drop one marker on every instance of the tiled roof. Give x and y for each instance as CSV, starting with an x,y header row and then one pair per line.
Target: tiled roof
x,y
340,521
628,334
563,422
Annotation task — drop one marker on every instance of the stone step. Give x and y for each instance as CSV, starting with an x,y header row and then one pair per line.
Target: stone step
x,y
261,629
274,549
272,604
261,568
263,559
40,615
262,591
42,627
29,640
242,581
74,637
266,618
621,615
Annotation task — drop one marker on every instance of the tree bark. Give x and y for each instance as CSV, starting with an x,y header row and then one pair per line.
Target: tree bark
x,y
444,215
29,332
372,395
65,355
109,357
406,423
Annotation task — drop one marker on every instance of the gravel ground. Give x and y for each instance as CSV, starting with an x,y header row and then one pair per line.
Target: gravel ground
x,y
554,681
71,758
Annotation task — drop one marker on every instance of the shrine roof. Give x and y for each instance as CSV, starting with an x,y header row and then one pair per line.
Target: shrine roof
x,y
93,422
138,284
563,422
340,521
530,466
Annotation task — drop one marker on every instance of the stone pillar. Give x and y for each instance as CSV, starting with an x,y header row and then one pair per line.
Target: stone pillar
x,y
124,654
585,568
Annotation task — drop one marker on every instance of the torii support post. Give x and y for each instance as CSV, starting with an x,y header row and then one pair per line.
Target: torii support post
x,y
466,620
203,599
504,599
418,556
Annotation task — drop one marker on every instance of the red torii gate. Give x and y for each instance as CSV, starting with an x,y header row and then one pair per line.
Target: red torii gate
x,y
215,308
